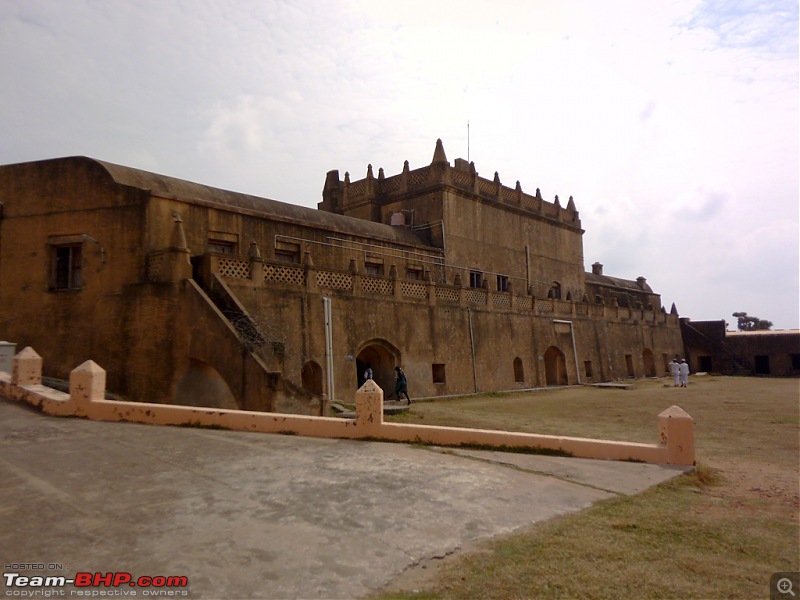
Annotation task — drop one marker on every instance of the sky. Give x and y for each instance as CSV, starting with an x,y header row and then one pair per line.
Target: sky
x,y
673,124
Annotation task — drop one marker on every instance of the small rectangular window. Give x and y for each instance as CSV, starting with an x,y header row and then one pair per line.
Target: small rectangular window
x,y
287,252
66,264
438,373
502,283
372,267
221,246
414,273
587,365
475,279
223,242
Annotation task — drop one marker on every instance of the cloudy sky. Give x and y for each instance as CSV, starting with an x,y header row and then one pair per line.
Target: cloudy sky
x,y
674,124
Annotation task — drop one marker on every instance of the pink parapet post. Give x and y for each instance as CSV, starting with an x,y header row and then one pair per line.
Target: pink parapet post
x,y
26,368
369,408
676,432
87,383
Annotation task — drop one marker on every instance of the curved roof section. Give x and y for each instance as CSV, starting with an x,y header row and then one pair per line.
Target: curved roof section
x,y
189,191
616,282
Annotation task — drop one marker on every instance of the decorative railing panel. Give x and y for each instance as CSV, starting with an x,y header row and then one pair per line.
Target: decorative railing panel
x,y
544,306
501,300
335,281
414,289
419,176
375,285
155,264
461,178
563,308
233,267
447,294
284,274
525,302
475,296
581,308
392,184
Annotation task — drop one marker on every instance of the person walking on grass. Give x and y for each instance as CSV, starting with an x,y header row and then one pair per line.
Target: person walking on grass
x,y
401,387
675,371
684,373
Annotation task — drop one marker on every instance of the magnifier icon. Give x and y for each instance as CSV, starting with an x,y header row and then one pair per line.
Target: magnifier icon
x,y
785,586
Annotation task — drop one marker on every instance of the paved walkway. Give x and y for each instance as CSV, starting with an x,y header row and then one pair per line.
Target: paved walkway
x,y
246,515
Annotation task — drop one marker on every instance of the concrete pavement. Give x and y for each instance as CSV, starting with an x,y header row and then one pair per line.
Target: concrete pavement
x,y
245,515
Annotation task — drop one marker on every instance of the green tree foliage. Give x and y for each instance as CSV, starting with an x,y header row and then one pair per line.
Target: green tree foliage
x,y
748,323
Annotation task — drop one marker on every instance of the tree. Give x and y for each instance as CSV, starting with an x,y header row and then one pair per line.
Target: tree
x,y
748,323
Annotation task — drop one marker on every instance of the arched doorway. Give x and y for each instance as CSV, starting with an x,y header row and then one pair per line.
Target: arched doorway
x,y
382,358
649,363
555,367
519,370
202,385
312,378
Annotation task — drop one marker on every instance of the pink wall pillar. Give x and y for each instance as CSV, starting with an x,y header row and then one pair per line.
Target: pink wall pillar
x,y
26,369
369,408
676,432
87,383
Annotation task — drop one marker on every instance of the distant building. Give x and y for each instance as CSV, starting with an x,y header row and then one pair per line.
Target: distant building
x,y
712,349
196,295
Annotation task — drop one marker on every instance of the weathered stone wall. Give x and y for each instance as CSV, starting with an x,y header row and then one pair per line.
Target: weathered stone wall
x,y
419,335
52,202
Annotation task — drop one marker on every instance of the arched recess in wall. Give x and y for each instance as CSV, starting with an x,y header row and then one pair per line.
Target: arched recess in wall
x,y
519,370
202,385
555,367
382,357
312,378
649,363
555,291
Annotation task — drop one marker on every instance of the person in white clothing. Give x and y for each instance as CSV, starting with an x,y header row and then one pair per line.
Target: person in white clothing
x,y
675,371
684,373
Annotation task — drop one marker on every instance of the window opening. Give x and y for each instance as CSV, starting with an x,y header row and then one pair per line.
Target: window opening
x,y
414,273
373,268
221,246
66,265
287,252
519,370
438,371
502,283
475,279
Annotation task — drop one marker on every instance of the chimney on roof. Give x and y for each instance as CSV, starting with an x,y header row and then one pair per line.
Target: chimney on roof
x,y
597,269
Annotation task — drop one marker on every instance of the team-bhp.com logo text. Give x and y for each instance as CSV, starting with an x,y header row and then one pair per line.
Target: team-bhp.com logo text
x,y
116,583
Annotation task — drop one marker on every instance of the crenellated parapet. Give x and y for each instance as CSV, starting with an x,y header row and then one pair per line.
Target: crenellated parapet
x,y
342,196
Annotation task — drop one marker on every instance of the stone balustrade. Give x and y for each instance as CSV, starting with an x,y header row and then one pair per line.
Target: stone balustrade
x,y
311,279
86,398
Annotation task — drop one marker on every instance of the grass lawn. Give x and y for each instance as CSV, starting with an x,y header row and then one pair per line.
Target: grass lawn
x,y
718,533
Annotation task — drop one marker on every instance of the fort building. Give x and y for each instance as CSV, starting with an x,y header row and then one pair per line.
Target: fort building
x,y
189,294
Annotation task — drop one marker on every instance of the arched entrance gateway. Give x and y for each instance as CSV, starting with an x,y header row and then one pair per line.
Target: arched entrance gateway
x,y
555,367
382,358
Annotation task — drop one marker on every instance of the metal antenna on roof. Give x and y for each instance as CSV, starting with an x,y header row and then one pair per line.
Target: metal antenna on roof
x,y
467,140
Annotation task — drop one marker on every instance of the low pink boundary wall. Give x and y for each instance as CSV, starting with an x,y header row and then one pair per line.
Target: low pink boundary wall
x,y
87,399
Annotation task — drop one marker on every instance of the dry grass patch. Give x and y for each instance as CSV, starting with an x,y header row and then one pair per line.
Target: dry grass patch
x,y
720,532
